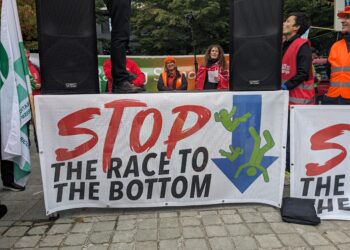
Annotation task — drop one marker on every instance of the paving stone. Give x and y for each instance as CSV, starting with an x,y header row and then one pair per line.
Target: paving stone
x,y
64,248
103,226
188,213
7,242
327,226
126,224
210,212
231,219
344,246
169,245
211,220
108,218
282,228
147,224
64,221
75,239
167,215
268,241
100,237
147,216
6,223
215,231
127,217
227,211
38,230
238,229
168,222
260,228
314,239
337,237
292,240
146,245
87,219
343,224
27,241
122,246
146,235
324,248
96,247
220,243
23,223
244,242
301,229
196,244
124,236
252,217
272,216
190,221
82,228
3,229
247,209
52,240
192,232
169,233
267,209
16,231
59,229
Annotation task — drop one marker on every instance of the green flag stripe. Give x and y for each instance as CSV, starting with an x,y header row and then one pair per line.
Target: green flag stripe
x,y
19,69
4,62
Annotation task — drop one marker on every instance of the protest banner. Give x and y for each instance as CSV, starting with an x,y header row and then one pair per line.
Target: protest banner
x,y
171,149
320,140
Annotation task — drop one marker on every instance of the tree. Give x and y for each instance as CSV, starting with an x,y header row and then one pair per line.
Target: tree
x,y
160,27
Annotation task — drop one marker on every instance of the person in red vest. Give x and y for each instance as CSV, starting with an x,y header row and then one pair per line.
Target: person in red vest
x,y
171,78
339,65
136,76
214,74
35,78
297,73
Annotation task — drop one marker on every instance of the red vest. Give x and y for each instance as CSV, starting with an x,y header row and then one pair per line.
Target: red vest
x,y
304,93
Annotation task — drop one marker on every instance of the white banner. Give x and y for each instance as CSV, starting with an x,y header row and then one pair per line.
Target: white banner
x,y
320,170
171,149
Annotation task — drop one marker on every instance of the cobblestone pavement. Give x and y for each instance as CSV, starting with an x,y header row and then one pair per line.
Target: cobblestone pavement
x,y
234,226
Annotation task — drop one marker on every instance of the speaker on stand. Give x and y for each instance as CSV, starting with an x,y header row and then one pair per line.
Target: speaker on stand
x,y
67,46
255,44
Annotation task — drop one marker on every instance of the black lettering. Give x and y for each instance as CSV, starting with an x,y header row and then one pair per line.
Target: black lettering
x,y
196,189
80,191
195,166
342,202
306,185
145,164
184,154
320,206
138,194
71,170
174,187
116,187
57,167
90,169
60,190
93,190
162,163
132,167
320,186
163,187
338,184
116,163
150,183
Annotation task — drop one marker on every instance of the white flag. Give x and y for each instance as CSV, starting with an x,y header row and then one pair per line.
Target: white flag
x,y
15,110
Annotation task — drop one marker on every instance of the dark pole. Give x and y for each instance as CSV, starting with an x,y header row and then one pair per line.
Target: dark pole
x,y
190,20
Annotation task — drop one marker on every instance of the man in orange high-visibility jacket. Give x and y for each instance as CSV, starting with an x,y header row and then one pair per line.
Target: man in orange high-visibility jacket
x,y
339,62
297,74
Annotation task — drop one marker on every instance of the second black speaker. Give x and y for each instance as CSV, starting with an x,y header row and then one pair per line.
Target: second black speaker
x,y
255,44
67,46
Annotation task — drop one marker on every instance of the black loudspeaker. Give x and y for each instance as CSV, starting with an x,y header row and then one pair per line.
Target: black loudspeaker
x,y
255,44
67,46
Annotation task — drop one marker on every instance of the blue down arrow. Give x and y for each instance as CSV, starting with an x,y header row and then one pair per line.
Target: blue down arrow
x,y
246,160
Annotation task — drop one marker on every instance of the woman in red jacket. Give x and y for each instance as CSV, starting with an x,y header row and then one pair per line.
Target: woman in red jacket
x,y
214,75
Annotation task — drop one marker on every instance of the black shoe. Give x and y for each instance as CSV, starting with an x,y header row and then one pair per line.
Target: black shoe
x,y
125,87
14,187
3,210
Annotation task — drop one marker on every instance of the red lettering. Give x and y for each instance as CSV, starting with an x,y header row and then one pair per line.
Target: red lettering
x,y
177,133
139,119
68,126
319,141
114,125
